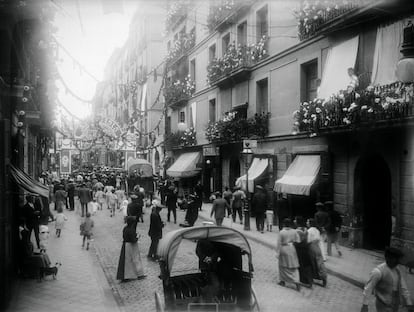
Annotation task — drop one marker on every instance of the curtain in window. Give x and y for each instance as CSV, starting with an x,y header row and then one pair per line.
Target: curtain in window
x,y
339,59
387,53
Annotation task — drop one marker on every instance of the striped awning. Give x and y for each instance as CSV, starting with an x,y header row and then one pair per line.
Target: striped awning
x,y
27,183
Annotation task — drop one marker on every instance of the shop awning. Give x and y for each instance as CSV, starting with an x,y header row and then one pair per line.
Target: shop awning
x,y
256,169
300,175
27,183
185,166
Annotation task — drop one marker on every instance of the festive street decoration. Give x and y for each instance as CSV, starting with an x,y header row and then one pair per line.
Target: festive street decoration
x,y
349,109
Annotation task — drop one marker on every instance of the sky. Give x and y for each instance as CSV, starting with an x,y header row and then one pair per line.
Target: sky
x,y
90,37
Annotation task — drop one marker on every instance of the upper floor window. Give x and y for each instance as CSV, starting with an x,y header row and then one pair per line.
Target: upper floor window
x,y
168,45
181,117
309,81
193,70
225,41
168,125
212,110
242,33
212,52
262,96
262,23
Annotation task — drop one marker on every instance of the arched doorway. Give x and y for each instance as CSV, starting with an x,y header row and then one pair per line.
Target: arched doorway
x,y
234,170
373,201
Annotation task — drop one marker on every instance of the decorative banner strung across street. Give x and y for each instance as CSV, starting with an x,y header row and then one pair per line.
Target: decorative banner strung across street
x,y
110,127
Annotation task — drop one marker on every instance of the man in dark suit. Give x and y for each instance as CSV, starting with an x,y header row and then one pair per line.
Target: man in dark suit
x,y
155,231
84,198
71,194
31,216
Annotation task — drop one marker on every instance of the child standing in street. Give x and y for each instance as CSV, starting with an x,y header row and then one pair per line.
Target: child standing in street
x,y
112,201
60,219
86,230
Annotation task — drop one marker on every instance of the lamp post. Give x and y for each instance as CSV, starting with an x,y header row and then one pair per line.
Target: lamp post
x,y
247,152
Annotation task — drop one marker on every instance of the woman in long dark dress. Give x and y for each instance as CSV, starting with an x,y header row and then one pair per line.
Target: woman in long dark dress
x,y
302,250
130,265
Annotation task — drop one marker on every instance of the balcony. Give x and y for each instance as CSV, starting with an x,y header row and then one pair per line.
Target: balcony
x,y
180,48
177,93
314,16
233,128
235,65
181,139
381,106
225,14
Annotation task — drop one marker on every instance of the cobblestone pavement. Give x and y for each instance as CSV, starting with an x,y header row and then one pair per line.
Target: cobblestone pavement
x,y
139,295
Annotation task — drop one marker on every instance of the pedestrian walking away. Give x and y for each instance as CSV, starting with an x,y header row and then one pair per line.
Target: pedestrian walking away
x,y
130,264
322,223
155,230
171,202
86,230
315,252
228,196
219,208
333,229
259,206
60,220
84,198
237,205
302,250
388,285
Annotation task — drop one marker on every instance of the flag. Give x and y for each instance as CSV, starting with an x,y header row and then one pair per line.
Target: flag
x,y
112,6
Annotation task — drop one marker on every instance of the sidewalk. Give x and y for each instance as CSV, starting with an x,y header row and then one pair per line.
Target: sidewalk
x,y
80,284
354,266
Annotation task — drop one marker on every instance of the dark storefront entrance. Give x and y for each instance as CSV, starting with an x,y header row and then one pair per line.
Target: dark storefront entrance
x,y
373,201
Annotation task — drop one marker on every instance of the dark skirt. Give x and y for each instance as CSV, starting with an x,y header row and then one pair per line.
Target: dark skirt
x,y
305,263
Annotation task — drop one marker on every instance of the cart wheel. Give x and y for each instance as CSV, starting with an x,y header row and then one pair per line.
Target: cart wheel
x,y
158,304
255,303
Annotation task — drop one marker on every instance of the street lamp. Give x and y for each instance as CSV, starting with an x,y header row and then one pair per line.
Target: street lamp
x,y
247,152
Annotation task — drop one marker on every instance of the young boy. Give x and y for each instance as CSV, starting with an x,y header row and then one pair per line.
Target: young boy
x,y
86,230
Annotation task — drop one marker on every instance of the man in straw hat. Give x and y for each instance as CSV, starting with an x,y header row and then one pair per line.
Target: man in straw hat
x,y
387,284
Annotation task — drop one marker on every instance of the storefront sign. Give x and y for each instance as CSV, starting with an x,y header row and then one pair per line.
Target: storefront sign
x,y
211,150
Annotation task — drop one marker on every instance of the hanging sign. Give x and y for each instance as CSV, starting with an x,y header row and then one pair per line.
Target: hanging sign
x,y
110,127
65,161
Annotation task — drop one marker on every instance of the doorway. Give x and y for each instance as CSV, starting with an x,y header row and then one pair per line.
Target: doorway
x,y
373,201
234,170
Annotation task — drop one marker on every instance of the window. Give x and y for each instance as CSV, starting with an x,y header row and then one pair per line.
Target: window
x,y
212,52
262,24
225,41
193,70
181,117
309,79
176,37
212,110
182,32
168,45
242,34
262,96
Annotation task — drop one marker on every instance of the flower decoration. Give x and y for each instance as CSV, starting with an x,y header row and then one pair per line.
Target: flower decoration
x,y
176,11
220,12
312,15
347,109
180,47
232,128
179,90
236,57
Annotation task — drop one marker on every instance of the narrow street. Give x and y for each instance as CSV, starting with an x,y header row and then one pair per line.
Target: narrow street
x,y
139,295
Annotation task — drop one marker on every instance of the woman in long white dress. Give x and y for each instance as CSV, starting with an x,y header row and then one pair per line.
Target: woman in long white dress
x,y
288,259
318,267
